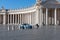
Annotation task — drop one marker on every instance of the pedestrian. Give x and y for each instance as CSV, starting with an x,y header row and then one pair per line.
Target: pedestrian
x,y
37,26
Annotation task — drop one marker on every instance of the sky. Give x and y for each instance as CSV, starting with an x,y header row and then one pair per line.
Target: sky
x,y
12,4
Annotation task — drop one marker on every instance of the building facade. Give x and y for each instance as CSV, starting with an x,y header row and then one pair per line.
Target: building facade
x,y
42,13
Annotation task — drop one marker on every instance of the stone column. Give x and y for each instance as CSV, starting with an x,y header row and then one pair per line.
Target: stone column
x,y
41,17
8,22
18,18
4,18
37,16
30,18
21,18
55,17
46,16
13,18
8,18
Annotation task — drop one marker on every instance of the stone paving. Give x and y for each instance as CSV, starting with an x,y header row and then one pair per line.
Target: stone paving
x,y
42,33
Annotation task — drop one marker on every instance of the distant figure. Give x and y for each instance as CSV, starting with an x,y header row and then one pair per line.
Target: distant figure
x,y
37,26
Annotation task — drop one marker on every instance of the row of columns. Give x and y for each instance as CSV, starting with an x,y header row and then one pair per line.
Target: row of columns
x,y
27,18
18,18
14,19
55,16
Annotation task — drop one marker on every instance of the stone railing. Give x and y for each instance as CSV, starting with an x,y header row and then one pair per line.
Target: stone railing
x,y
23,10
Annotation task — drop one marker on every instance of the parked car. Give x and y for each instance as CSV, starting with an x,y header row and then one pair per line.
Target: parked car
x,y
26,26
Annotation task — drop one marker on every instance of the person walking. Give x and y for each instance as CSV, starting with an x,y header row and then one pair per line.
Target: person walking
x,y
37,26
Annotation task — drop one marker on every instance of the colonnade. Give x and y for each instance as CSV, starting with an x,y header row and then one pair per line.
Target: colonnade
x,y
55,16
17,18
14,18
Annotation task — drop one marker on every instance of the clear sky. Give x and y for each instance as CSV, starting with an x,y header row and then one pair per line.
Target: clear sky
x,y
12,4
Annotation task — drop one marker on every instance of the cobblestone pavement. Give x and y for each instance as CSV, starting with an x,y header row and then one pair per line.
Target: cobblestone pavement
x,y
42,33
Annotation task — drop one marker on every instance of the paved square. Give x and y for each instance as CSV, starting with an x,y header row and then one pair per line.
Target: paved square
x,y
43,33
